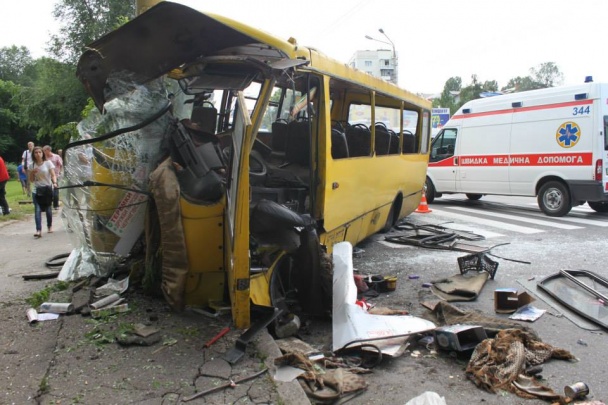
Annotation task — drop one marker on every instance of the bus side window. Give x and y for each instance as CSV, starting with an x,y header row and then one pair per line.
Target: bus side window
x,y
359,139
409,142
383,139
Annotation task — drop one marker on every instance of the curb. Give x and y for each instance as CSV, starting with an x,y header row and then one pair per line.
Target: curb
x,y
290,392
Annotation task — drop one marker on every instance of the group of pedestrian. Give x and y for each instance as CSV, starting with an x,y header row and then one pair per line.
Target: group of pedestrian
x,y
39,174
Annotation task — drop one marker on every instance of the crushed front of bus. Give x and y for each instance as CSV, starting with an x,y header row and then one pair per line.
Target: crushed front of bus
x,y
168,171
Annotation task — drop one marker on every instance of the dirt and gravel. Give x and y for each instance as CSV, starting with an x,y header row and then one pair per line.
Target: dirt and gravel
x,y
76,360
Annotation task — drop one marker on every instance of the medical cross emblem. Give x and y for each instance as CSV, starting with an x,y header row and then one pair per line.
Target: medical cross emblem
x,y
568,134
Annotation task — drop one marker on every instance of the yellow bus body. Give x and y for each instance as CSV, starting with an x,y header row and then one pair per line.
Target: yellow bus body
x,y
345,198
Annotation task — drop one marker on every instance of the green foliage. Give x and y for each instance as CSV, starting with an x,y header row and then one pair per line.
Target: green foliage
x,y
85,21
63,133
104,332
454,95
55,98
12,170
521,84
547,74
43,295
451,88
472,91
44,386
8,119
13,63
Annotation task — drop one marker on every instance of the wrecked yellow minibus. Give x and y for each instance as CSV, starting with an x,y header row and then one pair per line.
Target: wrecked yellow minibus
x,y
235,160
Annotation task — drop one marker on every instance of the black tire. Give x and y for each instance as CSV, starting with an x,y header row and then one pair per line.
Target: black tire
x,y
554,199
598,206
474,197
390,220
429,191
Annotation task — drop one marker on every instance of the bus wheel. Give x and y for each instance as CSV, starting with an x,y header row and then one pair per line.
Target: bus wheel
x,y
393,214
474,197
429,191
598,206
554,199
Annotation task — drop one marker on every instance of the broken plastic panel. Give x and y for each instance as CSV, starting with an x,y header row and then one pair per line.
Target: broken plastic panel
x,y
104,189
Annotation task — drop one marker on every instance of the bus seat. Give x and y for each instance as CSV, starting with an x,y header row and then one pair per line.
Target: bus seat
x,y
279,136
339,146
205,116
297,149
383,140
359,139
409,142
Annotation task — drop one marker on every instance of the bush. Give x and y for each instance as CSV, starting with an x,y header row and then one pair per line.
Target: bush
x,y
12,170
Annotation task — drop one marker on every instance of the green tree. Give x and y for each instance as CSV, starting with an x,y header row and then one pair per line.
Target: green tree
x,y
85,21
55,98
448,97
547,74
13,63
474,90
544,75
13,136
521,84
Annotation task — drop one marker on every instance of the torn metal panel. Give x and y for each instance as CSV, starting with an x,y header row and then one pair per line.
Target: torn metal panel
x,y
163,38
352,325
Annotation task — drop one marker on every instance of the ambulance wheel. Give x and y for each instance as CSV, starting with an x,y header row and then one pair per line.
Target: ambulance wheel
x,y
554,199
429,191
474,197
598,206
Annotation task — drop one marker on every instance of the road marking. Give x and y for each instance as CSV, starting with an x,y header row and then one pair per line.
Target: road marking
x,y
463,227
518,218
488,222
584,221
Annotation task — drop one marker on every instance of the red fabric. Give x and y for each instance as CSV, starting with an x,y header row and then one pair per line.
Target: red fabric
x,y
3,171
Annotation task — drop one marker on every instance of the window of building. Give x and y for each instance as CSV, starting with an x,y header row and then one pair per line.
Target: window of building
x,y
368,63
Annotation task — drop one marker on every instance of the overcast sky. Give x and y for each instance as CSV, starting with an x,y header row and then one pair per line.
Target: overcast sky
x,y
434,39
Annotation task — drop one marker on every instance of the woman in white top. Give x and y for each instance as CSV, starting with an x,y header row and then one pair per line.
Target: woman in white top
x,y
42,175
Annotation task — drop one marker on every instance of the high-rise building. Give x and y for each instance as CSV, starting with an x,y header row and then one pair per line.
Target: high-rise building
x,y
380,63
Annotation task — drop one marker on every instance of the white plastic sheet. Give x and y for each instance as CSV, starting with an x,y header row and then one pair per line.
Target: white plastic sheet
x,y
427,398
352,324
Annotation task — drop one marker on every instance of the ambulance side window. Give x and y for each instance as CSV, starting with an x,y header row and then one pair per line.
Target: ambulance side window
x,y
443,145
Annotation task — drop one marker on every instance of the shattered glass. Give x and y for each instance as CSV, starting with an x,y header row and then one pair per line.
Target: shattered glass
x,y
104,191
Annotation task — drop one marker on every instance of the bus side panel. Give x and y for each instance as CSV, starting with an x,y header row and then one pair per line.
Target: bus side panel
x,y
203,226
358,186
481,147
539,141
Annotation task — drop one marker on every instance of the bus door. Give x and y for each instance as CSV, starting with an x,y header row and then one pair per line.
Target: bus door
x,y
442,161
236,217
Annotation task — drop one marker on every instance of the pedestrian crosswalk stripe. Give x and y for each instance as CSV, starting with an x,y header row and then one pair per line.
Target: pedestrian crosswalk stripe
x,y
518,218
488,222
462,227
576,220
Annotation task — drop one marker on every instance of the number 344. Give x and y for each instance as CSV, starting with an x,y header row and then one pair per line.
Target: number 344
x,y
580,110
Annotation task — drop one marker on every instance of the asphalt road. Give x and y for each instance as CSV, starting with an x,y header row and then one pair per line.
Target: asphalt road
x,y
575,242
523,233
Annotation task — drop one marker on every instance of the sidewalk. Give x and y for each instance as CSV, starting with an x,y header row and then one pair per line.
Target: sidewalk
x,y
75,359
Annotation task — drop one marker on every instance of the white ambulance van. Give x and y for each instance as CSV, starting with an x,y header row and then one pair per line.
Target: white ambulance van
x,y
549,143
